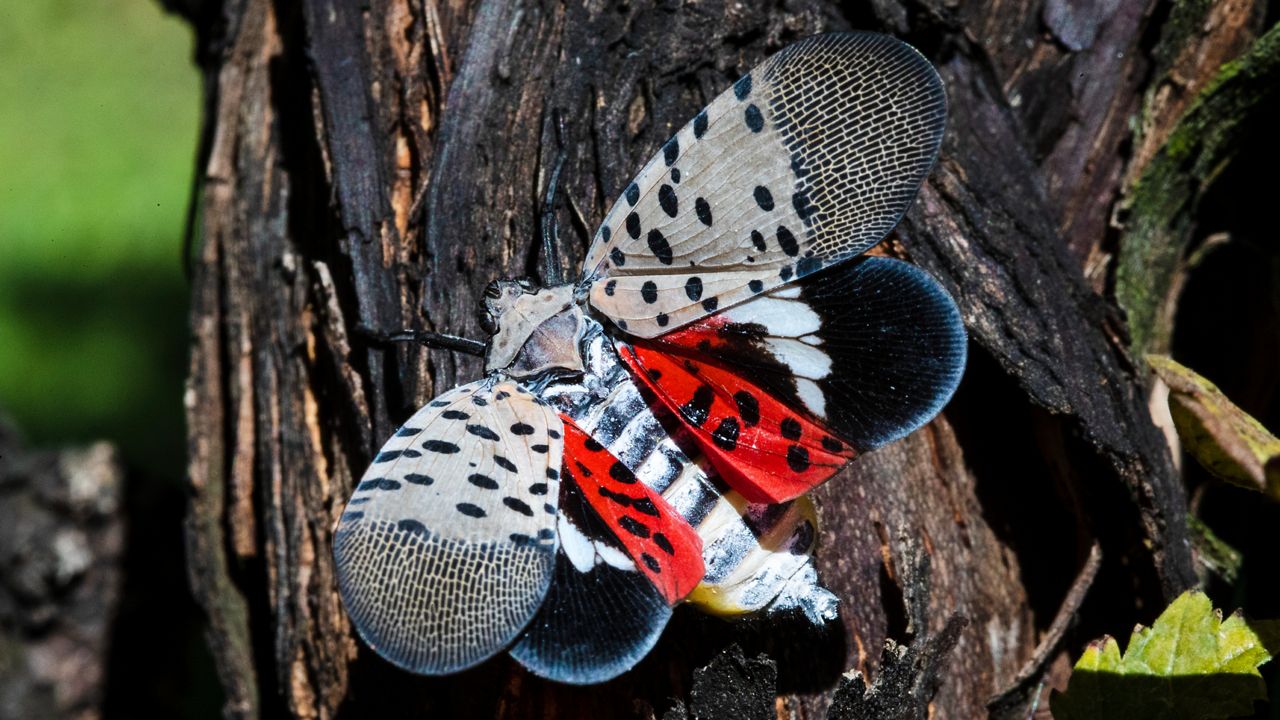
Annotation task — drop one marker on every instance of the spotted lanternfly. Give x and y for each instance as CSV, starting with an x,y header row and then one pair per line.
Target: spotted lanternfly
x,y
646,434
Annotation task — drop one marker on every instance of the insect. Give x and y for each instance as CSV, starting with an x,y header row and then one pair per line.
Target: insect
x,y
646,433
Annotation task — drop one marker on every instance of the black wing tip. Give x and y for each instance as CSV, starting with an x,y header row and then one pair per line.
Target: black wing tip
x,y
949,358
926,316
593,626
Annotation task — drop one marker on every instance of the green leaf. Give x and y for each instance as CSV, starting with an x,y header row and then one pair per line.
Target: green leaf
x,y
1226,440
1189,665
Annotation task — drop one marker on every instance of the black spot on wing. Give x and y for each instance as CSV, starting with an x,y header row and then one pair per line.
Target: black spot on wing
x,y
668,201
756,286
710,304
632,194
407,431
787,241
753,118
454,415
505,464
699,406
521,429
726,434
443,447
418,479
748,407
671,151
703,209
763,197
482,481
649,292
377,484
470,510
797,458
742,88
661,541
644,505
659,246
618,260
482,432
791,428
538,489
617,497
650,562
700,125
633,526
518,505
693,288
633,225
621,473
389,455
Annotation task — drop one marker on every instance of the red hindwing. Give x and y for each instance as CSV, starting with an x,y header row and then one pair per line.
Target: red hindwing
x,y
661,543
764,449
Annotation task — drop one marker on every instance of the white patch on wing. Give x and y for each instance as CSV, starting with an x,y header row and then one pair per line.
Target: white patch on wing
x,y
780,318
811,395
613,556
804,361
577,546
585,553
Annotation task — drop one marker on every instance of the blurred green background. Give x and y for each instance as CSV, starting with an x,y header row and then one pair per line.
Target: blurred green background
x,y
97,139
99,113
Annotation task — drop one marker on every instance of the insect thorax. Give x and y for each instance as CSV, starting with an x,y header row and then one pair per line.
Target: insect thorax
x,y
534,329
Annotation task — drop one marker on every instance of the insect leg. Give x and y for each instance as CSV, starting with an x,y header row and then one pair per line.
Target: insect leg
x,y
551,272
430,339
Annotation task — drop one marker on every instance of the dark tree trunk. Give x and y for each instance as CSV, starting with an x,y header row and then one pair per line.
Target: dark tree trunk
x,y
379,163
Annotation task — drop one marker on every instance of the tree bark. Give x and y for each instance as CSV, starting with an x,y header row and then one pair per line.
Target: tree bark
x,y
378,164
62,548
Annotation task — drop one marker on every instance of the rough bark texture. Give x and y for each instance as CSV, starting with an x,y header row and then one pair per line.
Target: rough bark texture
x,y
379,163
61,575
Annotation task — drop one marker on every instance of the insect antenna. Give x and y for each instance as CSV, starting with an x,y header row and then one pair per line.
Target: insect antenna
x,y
427,338
551,272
